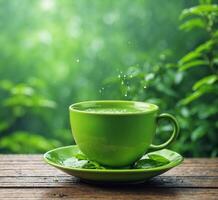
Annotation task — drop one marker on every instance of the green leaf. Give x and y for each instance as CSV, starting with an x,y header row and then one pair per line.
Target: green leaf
x,y
25,142
149,76
198,133
190,56
87,165
158,158
40,102
81,156
194,63
197,53
192,23
215,60
215,34
146,163
22,89
73,162
17,101
153,160
208,80
92,165
198,10
197,94
191,97
205,47
28,101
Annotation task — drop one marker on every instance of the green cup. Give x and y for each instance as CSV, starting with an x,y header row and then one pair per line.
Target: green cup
x,y
117,133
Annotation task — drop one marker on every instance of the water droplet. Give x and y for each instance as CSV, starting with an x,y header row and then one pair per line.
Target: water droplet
x,y
145,87
122,82
125,95
131,76
119,76
77,60
124,76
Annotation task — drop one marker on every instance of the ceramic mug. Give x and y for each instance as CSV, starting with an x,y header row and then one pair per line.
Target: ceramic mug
x,y
117,139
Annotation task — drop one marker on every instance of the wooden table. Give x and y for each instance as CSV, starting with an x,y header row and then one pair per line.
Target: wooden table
x,y
28,177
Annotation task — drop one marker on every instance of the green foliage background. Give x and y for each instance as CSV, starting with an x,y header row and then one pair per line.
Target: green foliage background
x,y
57,52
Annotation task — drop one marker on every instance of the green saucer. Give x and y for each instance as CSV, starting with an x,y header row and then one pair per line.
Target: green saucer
x,y
64,159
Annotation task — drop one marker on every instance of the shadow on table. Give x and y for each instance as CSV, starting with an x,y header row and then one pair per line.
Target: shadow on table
x,y
154,188
156,182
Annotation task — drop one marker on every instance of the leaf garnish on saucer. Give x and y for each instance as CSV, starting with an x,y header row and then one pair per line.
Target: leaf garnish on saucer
x,y
158,158
89,164
149,161
152,161
92,165
81,156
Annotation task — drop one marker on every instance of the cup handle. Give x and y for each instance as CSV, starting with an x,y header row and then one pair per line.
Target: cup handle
x,y
174,134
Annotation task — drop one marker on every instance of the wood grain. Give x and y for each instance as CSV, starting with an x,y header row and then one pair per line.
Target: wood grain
x,y
35,166
110,193
29,177
68,181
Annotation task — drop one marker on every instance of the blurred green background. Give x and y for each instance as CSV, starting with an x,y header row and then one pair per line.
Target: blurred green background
x,y
57,52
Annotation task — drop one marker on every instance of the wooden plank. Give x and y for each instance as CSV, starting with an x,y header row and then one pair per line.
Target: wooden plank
x,y
39,157
17,162
31,170
28,177
109,193
46,170
21,157
38,160
33,165
68,181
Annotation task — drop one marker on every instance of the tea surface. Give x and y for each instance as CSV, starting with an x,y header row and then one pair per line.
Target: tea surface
x,y
115,110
